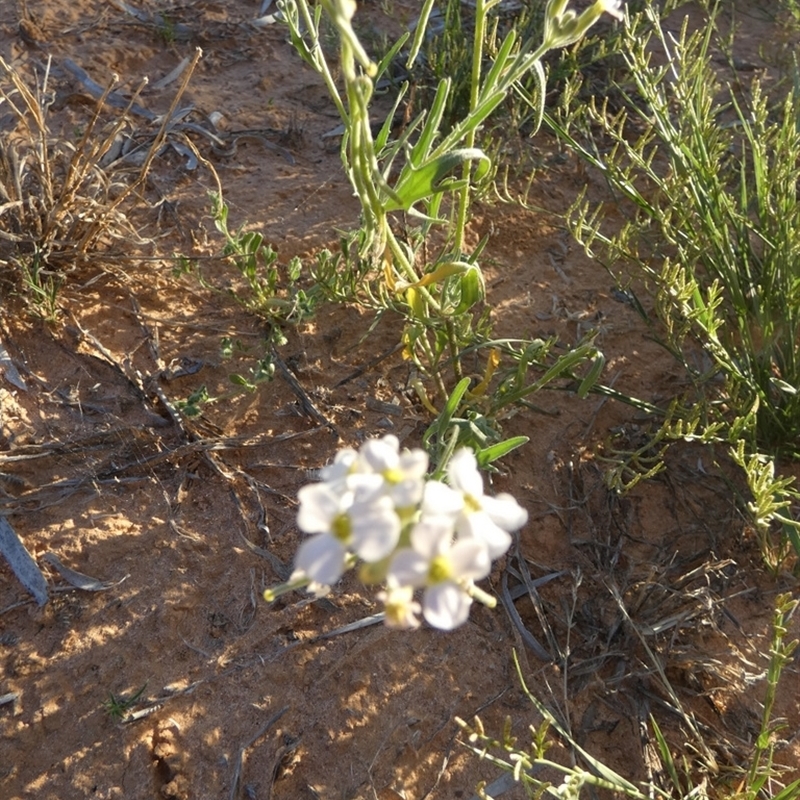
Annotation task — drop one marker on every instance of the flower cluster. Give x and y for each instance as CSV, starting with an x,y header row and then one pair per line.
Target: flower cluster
x,y
376,506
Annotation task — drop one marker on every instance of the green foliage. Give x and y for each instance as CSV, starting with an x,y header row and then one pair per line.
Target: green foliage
x,y
708,179
40,285
262,372
773,497
762,768
448,49
473,430
791,11
272,291
447,54
472,413
430,172
118,705
193,405
521,762
715,226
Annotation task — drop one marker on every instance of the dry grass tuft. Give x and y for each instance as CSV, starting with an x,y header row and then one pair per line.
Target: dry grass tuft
x,y
58,204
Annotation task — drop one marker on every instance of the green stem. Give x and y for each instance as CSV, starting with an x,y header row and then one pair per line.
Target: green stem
x,y
474,93
320,63
454,354
405,267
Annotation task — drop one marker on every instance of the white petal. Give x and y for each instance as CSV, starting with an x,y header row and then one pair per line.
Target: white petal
x,y
407,568
463,475
341,466
319,506
407,493
469,558
505,511
401,608
318,589
445,606
479,525
321,558
432,536
381,454
376,530
365,488
439,499
612,7
414,463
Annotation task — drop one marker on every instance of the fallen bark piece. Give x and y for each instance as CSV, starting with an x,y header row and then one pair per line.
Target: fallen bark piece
x,y
9,370
21,562
77,579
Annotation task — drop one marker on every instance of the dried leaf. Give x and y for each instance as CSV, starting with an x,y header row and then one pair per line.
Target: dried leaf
x,y
10,372
22,563
77,579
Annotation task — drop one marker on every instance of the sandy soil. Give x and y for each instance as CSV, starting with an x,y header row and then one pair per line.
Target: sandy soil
x,y
185,524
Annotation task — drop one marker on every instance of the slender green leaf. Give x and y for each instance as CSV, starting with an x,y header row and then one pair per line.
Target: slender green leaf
x,y
419,33
492,453
592,376
418,183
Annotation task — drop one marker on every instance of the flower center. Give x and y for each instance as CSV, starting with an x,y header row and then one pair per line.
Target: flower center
x,y
397,610
341,528
471,505
439,570
393,475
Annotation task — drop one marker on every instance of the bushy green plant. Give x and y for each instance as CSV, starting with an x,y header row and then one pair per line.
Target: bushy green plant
x,y
272,289
714,227
429,173
447,50
708,181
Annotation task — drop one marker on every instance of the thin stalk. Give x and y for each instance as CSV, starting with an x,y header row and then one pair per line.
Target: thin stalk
x,y
454,354
469,141
320,60
780,653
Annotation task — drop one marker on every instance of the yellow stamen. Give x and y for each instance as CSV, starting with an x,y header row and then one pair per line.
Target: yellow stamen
x,y
341,528
439,570
471,504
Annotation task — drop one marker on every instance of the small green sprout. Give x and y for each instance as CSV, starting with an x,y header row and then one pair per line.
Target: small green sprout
x,y
118,705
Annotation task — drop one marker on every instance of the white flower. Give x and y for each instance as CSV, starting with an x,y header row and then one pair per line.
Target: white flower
x,y
445,568
563,26
439,500
322,559
401,608
358,518
488,519
343,464
613,7
404,473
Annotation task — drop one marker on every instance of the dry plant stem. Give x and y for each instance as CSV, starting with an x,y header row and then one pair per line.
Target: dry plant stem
x,y
237,771
34,106
80,165
70,185
688,719
151,153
